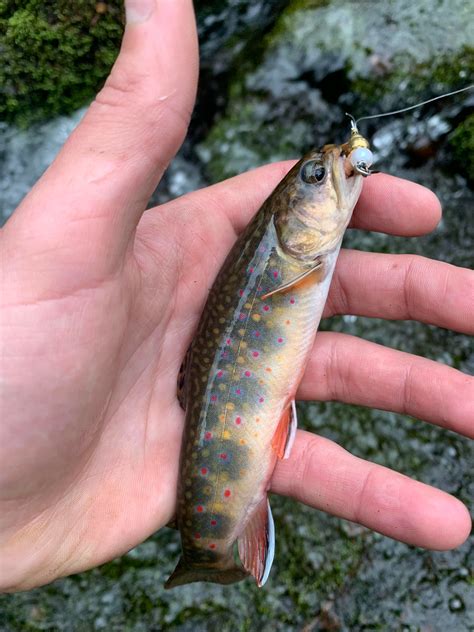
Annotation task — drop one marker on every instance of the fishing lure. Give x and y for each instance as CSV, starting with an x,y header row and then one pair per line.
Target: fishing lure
x,y
246,361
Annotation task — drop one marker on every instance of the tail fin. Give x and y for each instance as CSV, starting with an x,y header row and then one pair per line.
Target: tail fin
x,y
185,573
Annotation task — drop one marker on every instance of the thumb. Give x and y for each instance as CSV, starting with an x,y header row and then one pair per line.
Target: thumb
x,y
93,194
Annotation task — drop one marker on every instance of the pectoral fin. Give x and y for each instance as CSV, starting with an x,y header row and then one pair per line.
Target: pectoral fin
x,y
293,282
285,433
257,543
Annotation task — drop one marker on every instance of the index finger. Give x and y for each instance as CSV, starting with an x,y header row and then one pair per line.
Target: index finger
x,y
395,206
387,204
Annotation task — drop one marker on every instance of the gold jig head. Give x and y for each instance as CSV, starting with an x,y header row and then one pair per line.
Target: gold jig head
x,y
357,149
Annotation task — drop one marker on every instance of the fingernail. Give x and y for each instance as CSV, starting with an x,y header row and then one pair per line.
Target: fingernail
x,y
138,11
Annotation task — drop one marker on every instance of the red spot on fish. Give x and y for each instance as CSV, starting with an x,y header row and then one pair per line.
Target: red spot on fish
x,y
213,523
213,398
238,421
208,436
204,470
197,536
257,334
227,493
251,270
238,391
255,354
280,339
241,316
199,508
247,374
275,274
212,546
220,373
223,455
268,369
292,301
261,400
241,292
266,308
228,341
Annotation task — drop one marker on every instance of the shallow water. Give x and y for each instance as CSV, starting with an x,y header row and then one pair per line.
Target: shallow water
x,y
290,93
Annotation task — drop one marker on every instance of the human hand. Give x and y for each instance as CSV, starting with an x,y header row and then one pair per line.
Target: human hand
x,y
100,301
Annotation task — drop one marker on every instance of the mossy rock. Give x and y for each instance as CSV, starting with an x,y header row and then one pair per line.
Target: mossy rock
x,y
56,55
462,142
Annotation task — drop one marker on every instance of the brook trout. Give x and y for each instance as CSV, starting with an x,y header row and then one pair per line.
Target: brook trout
x,y
244,366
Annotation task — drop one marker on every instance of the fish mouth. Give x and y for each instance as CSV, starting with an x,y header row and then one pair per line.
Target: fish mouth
x,y
347,183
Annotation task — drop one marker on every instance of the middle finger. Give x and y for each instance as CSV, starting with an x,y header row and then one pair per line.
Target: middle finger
x,y
402,287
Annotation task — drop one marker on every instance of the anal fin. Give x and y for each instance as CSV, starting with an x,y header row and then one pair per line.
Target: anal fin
x,y
285,433
257,543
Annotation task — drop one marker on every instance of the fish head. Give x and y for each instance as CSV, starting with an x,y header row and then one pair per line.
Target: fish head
x,y
314,203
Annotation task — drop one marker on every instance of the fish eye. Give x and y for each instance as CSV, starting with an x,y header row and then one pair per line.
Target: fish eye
x,y
313,172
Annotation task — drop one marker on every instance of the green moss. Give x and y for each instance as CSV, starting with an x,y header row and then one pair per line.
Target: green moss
x,y
251,143
462,142
419,79
56,55
282,27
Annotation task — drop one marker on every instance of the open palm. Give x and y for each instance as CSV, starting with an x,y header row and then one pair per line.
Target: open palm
x,y
100,301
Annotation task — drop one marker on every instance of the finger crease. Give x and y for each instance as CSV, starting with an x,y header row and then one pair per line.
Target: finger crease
x,y
357,514
408,287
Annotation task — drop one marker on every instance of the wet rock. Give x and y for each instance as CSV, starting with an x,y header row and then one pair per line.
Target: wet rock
x,y
26,154
322,59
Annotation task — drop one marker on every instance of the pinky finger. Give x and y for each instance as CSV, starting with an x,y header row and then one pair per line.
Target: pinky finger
x,y
323,475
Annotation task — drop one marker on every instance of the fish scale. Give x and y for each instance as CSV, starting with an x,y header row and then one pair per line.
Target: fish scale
x,y
242,372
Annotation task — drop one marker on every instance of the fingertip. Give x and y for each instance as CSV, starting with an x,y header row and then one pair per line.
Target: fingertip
x,y
426,204
457,525
441,522
396,206
138,11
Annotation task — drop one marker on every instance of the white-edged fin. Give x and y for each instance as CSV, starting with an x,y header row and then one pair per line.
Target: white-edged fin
x,y
257,543
285,432
271,545
292,427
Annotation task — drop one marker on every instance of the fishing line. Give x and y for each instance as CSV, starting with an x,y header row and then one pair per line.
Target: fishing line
x,y
357,148
410,107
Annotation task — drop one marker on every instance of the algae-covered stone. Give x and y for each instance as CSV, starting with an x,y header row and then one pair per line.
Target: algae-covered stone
x,y
462,141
